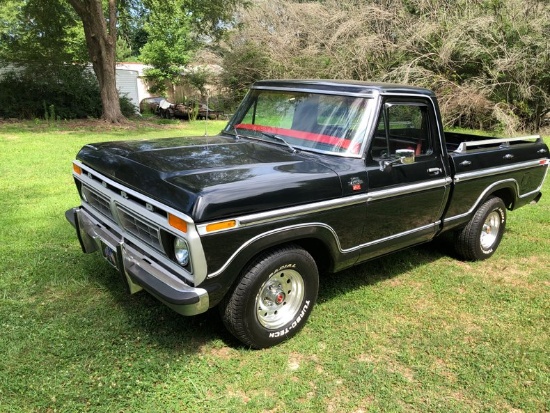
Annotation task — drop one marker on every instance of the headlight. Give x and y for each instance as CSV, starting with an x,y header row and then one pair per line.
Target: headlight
x,y
181,252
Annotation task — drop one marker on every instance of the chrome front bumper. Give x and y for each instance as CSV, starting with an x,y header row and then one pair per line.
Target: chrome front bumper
x,y
139,271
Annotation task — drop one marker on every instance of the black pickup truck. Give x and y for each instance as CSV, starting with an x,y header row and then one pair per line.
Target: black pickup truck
x,y
307,177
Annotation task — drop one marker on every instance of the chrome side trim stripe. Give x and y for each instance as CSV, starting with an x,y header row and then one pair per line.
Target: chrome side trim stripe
x,y
286,213
297,211
329,228
268,233
409,189
498,170
393,237
489,189
481,196
526,165
300,210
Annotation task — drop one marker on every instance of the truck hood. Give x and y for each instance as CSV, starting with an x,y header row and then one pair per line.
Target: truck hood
x,y
211,178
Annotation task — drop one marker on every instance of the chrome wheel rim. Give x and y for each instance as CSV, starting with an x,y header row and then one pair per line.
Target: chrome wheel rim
x,y
279,299
490,230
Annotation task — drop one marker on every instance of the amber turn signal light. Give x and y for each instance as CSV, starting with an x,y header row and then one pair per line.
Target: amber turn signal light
x,y
218,226
177,223
77,169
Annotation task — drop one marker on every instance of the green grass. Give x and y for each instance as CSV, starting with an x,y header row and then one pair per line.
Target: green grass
x,y
414,331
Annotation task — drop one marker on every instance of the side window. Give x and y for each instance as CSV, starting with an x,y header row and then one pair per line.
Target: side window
x,y
402,126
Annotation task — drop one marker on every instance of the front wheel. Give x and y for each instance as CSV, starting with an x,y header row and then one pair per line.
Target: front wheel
x,y
479,239
273,298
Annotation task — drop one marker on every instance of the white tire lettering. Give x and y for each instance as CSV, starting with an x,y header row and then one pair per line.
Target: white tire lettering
x,y
284,267
294,324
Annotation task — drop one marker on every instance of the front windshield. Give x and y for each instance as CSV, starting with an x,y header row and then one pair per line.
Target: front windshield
x,y
310,121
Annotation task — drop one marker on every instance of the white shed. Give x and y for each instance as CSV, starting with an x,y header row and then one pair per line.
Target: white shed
x,y
126,83
129,81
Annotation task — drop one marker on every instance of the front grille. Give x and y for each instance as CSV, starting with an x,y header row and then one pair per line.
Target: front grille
x,y
98,201
140,228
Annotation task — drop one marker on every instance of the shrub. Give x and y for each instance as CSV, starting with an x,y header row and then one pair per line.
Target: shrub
x,y
127,108
53,92
487,60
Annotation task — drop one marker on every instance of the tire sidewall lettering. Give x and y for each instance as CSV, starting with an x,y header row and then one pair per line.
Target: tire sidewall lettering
x,y
282,268
294,324
301,316
501,213
242,310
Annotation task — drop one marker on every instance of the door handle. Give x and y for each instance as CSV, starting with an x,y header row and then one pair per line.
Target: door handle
x,y
434,171
541,150
508,156
465,163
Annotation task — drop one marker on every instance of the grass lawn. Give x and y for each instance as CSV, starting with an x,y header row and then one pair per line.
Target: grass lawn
x,y
414,331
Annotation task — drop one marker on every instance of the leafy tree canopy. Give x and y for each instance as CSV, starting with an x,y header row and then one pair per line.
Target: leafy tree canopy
x,y
163,33
169,42
42,31
175,30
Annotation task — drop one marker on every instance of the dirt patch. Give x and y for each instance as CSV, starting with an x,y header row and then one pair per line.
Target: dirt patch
x,y
516,273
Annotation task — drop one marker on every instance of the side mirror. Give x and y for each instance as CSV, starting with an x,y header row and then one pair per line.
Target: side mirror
x,y
403,156
406,156
387,165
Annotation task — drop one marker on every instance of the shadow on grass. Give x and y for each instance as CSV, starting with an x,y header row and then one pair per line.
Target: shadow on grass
x,y
146,316
384,268
85,287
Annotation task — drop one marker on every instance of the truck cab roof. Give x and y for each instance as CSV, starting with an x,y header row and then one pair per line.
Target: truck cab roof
x,y
353,87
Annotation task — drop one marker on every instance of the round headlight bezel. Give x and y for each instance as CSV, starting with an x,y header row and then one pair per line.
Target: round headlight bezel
x,y
181,252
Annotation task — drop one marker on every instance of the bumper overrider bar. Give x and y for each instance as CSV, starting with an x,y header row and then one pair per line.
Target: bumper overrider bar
x,y
139,271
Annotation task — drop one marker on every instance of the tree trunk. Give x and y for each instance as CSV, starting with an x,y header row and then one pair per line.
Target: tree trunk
x,y
101,43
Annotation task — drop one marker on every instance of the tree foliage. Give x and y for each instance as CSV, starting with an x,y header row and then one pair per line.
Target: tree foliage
x,y
488,60
164,32
169,43
33,31
53,92
175,30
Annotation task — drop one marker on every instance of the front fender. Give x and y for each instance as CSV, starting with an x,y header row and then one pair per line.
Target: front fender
x,y
221,279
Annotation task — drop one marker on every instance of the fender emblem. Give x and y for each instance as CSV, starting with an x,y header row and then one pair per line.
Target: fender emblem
x,y
355,183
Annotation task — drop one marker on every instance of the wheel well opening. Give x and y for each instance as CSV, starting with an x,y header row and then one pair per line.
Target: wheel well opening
x,y
507,196
319,251
316,248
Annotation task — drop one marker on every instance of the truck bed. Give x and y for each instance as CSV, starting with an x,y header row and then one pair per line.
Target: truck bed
x,y
480,164
458,141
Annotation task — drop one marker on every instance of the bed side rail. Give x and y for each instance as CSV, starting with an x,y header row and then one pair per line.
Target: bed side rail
x,y
501,142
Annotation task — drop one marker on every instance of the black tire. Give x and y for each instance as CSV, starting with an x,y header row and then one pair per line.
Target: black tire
x,y
259,311
479,239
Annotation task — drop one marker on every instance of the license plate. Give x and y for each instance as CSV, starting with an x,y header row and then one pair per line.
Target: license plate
x,y
110,255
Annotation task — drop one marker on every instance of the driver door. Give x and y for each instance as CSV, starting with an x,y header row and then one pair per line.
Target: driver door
x,y
407,182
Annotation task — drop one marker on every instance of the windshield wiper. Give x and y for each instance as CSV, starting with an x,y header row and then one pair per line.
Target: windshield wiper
x,y
279,139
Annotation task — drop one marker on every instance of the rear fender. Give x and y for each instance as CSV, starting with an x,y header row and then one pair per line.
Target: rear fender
x,y
506,189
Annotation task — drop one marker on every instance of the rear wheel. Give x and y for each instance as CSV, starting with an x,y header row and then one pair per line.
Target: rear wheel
x,y
273,298
479,239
